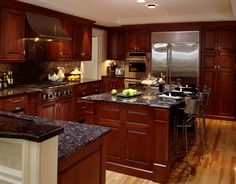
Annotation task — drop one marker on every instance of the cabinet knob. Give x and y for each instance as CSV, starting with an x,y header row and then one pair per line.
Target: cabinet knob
x,y
61,53
215,67
218,66
83,54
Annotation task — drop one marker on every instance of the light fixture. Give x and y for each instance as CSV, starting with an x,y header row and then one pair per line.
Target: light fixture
x,y
141,1
151,6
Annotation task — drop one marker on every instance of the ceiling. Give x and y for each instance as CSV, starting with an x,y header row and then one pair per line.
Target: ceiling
x,y
126,12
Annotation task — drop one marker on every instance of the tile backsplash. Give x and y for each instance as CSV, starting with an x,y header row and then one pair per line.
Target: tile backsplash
x,y
36,67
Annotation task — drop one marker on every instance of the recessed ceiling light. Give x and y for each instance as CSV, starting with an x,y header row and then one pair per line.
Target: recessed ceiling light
x,y
151,6
141,1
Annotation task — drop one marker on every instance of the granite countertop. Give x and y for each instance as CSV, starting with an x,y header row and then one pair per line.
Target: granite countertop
x,y
152,99
17,91
76,135
38,87
26,127
73,136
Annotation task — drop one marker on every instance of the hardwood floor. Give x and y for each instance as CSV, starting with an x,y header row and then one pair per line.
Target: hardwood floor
x,y
218,165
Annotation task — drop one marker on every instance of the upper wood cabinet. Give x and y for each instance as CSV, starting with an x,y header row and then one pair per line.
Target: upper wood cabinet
x,y
12,32
82,42
218,39
115,44
61,49
138,41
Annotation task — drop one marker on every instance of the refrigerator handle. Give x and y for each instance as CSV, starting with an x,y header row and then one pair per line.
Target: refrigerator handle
x,y
169,58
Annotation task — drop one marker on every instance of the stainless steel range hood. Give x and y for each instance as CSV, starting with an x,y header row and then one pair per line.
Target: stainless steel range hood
x,y
46,28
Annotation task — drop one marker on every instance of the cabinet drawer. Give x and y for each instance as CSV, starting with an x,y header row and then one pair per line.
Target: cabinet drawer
x,y
15,101
1,104
82,90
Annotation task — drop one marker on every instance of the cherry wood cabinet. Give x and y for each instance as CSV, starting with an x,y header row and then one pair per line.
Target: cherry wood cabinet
x,y
218,60
61,49
57,110
82,90
140,140
115,44
138,41
12,32
109,83
16,104
82,42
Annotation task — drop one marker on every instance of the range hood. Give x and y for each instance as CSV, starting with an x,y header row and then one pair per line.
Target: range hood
x,y
46,28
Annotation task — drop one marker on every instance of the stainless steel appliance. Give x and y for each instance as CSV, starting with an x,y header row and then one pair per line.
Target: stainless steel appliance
x,y
129,82
136,65
176,55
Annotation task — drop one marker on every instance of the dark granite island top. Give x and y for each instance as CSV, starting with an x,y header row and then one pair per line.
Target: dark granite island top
x,y
26,127
73,135
153,99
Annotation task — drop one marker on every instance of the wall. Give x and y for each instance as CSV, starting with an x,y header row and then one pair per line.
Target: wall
x,y
102,49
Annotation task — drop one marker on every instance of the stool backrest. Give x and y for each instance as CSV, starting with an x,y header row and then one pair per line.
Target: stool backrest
x,y
192,105
204,100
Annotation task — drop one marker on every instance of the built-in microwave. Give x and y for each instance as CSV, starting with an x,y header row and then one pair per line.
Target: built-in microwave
x,y
136,65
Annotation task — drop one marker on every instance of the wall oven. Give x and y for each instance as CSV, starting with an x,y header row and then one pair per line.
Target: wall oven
x,y
136,65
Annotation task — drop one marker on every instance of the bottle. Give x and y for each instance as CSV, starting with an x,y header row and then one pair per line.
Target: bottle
x,y
10,78
0,83
4,82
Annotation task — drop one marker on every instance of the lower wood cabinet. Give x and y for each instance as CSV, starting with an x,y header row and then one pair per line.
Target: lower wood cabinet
x,y
82,90
57,110
130,139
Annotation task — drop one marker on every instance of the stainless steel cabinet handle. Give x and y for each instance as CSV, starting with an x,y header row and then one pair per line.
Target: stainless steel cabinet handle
x,y
215,67
218,66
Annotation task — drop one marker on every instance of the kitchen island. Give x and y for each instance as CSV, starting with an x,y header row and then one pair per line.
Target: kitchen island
x,y
32,152
141,139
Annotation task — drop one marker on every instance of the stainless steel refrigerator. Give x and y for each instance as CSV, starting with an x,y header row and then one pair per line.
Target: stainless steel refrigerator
x,y
176,55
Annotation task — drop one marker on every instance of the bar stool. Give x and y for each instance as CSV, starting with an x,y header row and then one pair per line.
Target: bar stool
x,y
188,120
204,96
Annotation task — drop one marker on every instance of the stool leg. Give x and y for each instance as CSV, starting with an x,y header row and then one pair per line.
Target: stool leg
x,y
197,141
186,147
204,129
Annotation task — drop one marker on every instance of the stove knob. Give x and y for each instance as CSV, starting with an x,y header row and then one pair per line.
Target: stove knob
x,y
69,92
45,96
59,94
50,96
56,94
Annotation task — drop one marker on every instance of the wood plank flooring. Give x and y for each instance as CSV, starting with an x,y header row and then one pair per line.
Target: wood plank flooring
x,y
218,165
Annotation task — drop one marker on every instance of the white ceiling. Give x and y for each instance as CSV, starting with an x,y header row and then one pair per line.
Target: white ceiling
x,y
127,12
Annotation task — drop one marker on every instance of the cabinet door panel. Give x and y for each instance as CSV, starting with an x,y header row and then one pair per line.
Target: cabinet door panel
x,y
226,41
209,39
225,61
226,93
136,148
48,110
64,112
209,60
14,34
61,49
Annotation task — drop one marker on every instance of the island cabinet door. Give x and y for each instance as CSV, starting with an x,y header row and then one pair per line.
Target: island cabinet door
x,y
110,115
137,144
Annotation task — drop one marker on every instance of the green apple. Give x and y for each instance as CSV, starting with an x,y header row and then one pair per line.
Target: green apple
x,y
125,92
114,92
131,92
